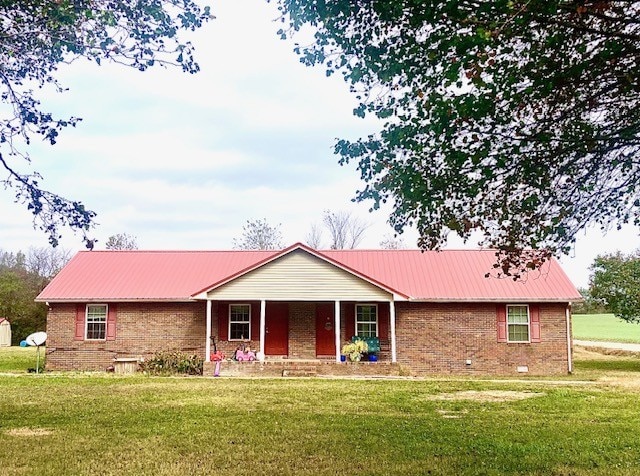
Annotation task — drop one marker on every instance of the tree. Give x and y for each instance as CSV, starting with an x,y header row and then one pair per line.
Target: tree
x,y
515,121
314,237
615,281
345,230
259,235
122,241
19,286
590,305
391,242
40,35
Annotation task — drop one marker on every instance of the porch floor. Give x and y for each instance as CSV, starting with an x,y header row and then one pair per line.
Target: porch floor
x,y
302,368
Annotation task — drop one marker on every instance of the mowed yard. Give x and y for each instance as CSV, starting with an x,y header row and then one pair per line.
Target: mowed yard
x,y
604,327
80,424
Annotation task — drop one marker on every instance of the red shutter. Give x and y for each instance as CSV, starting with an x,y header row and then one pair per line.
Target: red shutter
x,y
255,321
80,315
534,317
501,320
111,322
349,316
383,320
223,321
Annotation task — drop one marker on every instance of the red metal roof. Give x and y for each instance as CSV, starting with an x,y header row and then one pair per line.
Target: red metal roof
x,y
449,275
456,275
144,275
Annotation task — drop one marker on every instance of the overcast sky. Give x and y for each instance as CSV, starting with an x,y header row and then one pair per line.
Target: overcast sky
x,y
182,161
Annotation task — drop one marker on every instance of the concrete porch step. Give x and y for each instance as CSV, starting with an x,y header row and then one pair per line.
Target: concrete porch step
x,y
299,373
300,369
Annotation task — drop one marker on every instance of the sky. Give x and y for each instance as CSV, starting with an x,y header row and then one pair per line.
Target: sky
x,y
183,161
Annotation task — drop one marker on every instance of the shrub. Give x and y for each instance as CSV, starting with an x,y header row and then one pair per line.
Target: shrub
x,y
168,362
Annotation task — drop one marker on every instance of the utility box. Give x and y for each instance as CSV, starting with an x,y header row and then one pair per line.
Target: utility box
x,y
126,365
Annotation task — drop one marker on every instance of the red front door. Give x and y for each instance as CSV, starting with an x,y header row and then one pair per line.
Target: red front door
x,y
325,332
276,340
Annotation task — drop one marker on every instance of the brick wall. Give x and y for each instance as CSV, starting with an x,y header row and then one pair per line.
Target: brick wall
x,y
440,338
431,338
302,330
141,330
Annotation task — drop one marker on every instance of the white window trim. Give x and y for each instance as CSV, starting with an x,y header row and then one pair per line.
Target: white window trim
x,y
86,321
528,341
238,322
356,317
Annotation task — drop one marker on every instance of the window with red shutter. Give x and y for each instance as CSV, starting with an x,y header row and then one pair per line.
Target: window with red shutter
x,y
80,317
501,321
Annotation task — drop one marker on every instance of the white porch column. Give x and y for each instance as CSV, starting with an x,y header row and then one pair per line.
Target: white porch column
x,y
336,325
263,312
207,344
392,318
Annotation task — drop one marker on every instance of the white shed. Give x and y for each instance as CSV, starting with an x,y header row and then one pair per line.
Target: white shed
x,y
5,332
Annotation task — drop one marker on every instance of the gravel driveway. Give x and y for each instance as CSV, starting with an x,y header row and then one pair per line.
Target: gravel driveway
x,y
608,345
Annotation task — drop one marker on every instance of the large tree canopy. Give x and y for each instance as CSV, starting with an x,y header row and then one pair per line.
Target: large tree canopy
x,y
36,37
517,119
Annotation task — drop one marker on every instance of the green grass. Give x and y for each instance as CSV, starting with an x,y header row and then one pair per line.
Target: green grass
x,y
19,359
82,424
604,327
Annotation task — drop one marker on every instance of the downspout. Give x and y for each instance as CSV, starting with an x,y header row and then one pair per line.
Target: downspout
x,y
569,340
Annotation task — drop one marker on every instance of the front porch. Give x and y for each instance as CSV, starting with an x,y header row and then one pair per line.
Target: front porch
x,y
297,331
302,368
298,305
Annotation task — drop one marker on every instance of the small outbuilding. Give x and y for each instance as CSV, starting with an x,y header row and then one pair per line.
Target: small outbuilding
x,y
5,332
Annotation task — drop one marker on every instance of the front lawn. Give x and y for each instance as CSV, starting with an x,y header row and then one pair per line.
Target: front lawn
x,y
604,327
85,424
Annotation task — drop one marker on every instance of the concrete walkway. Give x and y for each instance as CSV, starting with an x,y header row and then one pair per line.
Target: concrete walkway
x,y
608,345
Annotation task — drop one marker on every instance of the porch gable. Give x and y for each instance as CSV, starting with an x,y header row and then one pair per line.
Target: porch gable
x,y
299,276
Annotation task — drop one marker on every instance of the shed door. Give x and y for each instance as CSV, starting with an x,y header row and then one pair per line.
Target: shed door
x,y
276,340
325,331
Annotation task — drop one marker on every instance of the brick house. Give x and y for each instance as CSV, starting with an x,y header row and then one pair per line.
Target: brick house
x,y
434,312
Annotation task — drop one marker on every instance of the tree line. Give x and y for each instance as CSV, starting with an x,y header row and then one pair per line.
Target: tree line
x,y
22,276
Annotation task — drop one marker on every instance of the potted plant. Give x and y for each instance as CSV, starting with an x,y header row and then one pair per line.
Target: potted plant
x,y
354,350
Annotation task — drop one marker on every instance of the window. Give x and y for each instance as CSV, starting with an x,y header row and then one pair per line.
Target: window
x,y
367,320
240,322
96,322
518,323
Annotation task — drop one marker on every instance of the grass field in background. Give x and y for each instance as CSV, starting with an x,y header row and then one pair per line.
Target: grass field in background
x,y
85,424
604,327
19,359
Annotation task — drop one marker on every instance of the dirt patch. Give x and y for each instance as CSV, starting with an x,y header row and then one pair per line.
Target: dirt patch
x,y
487,395
29,432
592,352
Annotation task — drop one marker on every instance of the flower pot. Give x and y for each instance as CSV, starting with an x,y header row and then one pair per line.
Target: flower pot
x,y
343,358
373,358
